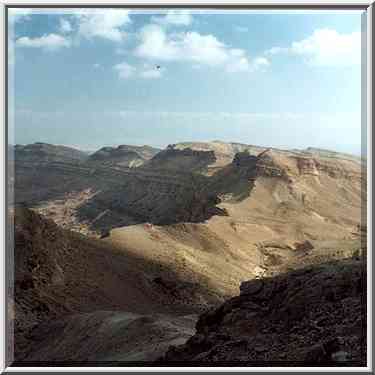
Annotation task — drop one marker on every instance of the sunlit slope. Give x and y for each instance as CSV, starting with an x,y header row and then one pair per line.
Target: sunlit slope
x,y
284,211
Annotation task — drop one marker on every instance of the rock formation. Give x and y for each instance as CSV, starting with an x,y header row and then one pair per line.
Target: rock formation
x,y
124,156
314,316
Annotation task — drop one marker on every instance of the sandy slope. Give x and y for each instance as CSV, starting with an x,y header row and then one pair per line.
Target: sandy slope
x,y
308,213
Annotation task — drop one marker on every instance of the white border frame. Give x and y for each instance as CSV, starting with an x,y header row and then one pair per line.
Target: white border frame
x,y
275,3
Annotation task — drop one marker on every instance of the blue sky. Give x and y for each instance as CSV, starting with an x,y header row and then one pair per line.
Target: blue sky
x,y
89,78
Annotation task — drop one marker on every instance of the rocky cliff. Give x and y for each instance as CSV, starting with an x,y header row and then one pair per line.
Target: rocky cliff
x,y
184,160
124,156
311,317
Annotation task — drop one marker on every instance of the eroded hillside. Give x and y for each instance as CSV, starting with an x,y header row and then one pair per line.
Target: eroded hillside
x,y
263,211
62,277
176,234
312,317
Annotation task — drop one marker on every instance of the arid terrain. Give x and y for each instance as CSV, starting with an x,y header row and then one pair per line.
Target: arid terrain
x,y
136,255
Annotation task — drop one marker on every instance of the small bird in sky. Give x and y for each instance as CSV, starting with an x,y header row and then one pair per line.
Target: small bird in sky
x,y
157,67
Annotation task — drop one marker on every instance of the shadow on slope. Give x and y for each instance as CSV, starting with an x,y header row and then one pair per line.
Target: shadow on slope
x,y
103,338
182,160
59,273
168,197
157,198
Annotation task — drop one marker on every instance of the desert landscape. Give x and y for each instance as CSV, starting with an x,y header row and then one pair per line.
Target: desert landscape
x,y
200,253
187,187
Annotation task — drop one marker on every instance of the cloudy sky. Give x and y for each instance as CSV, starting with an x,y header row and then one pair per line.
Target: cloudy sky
x,y
98,77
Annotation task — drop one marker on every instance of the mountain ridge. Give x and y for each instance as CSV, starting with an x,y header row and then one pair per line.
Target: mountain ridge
x,y
178,233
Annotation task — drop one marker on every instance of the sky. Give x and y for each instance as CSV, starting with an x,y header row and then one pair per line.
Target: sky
x,y
102,77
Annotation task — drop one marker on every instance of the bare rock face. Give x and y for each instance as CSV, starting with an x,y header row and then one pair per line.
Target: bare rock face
x,y
313,316
251,287
155,198
307,166
269,167
237,179
187,160
123,156
261,165
244,159
247,163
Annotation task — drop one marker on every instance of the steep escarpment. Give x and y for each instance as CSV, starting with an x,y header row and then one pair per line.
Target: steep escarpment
x,y
314,316
170,187
185,159
123,156
235,181
155,198
224,152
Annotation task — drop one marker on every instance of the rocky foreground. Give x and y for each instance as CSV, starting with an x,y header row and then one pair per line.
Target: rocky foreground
x,y
311,317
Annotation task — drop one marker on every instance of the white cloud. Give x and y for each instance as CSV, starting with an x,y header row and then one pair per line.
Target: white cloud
x,y
103,23
325,47
65,26
239,62
50,42
260,62
174,17
147,71
205,49
156,44
125,70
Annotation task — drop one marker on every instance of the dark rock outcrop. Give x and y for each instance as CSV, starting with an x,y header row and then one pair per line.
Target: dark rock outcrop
x,y
310,317
155,198
182,159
